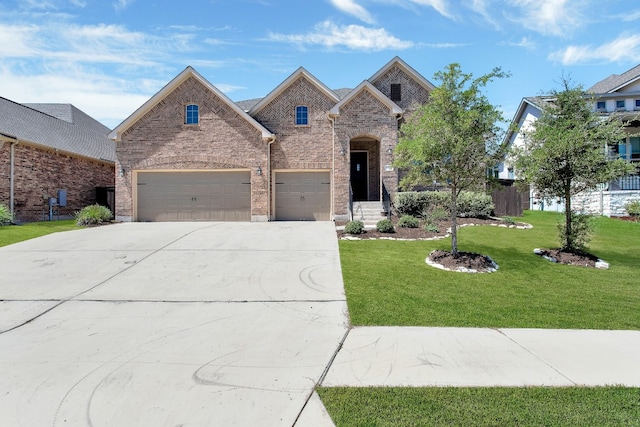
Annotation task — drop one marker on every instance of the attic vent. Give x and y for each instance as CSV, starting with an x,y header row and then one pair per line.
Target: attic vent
x,y
396,92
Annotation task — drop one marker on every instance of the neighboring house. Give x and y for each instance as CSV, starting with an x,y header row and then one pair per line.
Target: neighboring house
x,y
304,152
45,148
619,94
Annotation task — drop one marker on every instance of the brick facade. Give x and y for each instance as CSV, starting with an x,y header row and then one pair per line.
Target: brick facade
x,y
225,139
161,141
39,174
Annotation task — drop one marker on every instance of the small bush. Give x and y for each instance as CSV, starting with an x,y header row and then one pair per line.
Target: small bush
x,y
93,214
5,215
385,226
354,227
633,208
581,229
437,214
431,227
509,220
408,221
419,203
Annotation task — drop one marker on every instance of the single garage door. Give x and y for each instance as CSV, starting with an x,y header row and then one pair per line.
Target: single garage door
x,y
303,196
194,196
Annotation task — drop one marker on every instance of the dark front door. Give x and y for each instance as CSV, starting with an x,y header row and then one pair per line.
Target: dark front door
x,y
359,176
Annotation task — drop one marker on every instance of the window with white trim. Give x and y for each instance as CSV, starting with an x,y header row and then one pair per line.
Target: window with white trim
x,y
191,114
302,115
620,104
601,106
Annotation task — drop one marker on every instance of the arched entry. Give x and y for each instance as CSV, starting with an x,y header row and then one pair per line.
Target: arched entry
x,y
365,169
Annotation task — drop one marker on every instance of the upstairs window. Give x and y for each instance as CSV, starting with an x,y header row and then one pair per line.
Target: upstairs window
x,y
620,104
302,115
191,116
396,92
601,106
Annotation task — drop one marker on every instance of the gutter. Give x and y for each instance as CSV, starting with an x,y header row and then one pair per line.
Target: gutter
x,y
332,119
13,141
271,140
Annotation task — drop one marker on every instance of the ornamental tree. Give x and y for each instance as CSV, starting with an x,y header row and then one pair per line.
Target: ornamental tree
x,y
453,138
565,152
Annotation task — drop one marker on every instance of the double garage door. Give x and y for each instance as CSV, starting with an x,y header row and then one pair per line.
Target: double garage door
x,y
194,196
303,196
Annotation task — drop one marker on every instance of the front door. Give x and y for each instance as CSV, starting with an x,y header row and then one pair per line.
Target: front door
x,y
360,175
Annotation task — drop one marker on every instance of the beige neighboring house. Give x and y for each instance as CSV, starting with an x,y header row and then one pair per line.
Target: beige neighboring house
x,y
303,152
52,151
617,94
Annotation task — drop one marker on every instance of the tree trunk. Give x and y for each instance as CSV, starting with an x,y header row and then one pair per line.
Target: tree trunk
x,y
454,222
568,230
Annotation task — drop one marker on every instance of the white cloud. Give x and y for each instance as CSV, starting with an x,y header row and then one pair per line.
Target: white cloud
x,y
440,6
525,43
480,7
352,8
549,17
630,16
625,48
122,4
353,37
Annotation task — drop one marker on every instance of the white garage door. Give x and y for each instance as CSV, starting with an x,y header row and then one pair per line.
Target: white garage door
x,y
194,196
303,196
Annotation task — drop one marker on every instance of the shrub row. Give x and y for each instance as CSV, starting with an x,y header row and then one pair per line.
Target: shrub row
x,y
93,214
423,204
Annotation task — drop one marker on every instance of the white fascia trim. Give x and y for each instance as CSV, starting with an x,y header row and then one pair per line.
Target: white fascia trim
x,y
169,88
366,85
300,72
407,69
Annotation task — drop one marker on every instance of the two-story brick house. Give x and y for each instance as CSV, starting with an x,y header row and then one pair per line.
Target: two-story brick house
x,y
303,152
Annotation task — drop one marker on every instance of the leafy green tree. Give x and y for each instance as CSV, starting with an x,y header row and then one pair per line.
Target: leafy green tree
x,y
453,138
565,153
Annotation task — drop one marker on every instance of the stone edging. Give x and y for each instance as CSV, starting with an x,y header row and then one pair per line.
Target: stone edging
x,y
602,265
493,269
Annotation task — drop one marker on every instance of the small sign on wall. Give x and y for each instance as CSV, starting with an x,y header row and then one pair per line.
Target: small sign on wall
x,y
388,168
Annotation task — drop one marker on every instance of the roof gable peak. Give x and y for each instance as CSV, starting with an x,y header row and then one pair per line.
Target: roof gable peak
x,y
366,85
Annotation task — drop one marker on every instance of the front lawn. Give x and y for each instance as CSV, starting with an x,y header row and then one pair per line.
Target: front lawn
x,y
389,283
534,406
10,234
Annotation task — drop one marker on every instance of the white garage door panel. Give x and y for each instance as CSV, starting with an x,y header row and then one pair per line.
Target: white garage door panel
x,y
194,196
303,196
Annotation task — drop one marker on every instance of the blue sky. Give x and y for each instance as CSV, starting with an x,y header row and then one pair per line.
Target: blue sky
x,y
107,57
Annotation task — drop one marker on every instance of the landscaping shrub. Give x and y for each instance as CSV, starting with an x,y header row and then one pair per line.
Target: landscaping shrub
x,y
419,203
429,226
93,214
436,214
385,226
509,220
5,215
633,208
408,221
354,227
581,229
474,205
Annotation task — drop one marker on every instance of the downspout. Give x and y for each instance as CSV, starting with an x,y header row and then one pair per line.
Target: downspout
x,y
12,178
271,140
333,166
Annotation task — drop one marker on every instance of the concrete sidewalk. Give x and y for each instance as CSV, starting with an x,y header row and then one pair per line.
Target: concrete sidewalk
x,y
475,357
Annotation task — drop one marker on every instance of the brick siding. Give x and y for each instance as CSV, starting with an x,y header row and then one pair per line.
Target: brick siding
x,y
39,174
160,140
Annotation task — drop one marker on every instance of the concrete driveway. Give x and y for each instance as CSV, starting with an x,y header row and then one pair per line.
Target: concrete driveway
x,y
170,324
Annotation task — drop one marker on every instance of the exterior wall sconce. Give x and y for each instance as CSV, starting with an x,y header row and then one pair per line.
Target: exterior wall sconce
x,y
121,172
389,150
259,171
342,152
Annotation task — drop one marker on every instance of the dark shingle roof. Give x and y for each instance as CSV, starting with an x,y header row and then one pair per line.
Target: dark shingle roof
x,y
614,81
75,133
248,104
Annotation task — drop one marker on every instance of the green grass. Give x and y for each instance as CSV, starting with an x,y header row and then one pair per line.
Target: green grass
x,y
10,234
389,283
536,406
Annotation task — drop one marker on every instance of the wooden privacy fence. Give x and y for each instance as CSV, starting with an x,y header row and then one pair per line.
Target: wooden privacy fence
x,y
509,201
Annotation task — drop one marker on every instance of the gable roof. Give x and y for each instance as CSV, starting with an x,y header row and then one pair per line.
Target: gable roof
x,y
616,82
366,85
398,62
25,124
168,89
300,72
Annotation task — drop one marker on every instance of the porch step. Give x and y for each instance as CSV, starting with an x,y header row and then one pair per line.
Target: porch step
x,y
368,212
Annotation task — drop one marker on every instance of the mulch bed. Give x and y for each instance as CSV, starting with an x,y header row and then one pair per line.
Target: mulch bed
x,y
582,259
465,261
420,233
